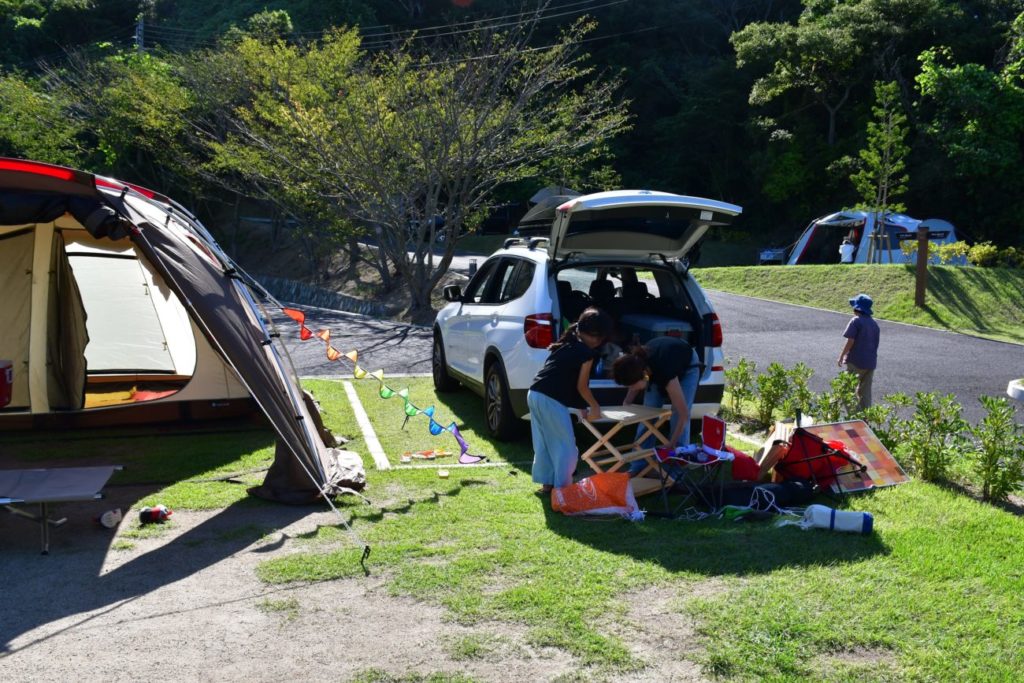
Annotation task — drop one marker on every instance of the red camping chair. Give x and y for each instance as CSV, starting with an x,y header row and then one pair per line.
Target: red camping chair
x,y
823,463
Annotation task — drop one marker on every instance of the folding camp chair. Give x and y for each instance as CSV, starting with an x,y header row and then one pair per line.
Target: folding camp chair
x,y
823,463
697,472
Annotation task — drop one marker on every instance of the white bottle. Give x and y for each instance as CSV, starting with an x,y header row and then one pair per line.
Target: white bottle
x,y
824,517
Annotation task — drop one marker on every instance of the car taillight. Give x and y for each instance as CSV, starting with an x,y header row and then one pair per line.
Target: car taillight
x,y
716,331
539,330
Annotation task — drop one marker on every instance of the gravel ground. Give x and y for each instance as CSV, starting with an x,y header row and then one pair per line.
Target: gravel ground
x,y
186,605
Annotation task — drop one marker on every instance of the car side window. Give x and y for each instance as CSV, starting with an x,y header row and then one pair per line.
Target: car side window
x,y
519,282
477,287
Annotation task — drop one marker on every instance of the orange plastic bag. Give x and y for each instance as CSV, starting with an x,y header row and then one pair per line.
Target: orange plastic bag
x,y
606,493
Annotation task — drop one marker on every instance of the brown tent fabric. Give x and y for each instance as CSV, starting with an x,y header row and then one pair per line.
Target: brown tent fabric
x,y
216,301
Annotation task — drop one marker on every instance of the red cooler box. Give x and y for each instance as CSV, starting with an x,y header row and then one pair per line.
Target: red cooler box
x,y
6,381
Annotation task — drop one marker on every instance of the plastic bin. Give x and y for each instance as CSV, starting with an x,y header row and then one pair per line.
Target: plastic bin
x,y
648,326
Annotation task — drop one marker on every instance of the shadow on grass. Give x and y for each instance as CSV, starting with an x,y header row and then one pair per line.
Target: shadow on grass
x,y
71,580
716,547
1011,506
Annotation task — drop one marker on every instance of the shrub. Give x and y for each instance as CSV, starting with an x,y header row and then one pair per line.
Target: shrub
x,y
999,452
800,396
1011,257
983,254
740,383
772,388
947,253
935,434
839,403
885,420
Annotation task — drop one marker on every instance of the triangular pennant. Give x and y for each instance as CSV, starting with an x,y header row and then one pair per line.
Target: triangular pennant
x,y
333,353
300,318
378,375
296,315
470,459
358,372
429,412
385,392
325,335
410,409
352,356
435,427
404,393
458,437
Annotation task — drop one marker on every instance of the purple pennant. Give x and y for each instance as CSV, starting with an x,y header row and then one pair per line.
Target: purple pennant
x,y
465,457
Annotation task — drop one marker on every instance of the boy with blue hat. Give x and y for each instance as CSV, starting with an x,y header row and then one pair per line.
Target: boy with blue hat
x,y
860,355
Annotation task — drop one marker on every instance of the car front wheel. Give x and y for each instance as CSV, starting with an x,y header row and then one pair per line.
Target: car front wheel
x,y
501,420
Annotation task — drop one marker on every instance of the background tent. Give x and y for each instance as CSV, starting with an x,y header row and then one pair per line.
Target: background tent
x,y
140,298
819,242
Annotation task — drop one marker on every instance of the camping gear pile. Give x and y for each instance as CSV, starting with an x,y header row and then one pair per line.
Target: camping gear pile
x,y
797,465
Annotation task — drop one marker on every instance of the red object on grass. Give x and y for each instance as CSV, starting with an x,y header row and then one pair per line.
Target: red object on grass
x,y
744,467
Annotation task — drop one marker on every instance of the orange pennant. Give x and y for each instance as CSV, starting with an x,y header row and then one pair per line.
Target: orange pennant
x,y
333,353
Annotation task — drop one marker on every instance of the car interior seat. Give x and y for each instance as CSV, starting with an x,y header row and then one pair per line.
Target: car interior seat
x,y
571,302
602,292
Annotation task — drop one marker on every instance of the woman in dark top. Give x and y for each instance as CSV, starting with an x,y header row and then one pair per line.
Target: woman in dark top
x,y
564,383
666,370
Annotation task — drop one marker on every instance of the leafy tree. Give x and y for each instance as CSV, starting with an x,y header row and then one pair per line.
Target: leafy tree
x,y
35,124
882,175
976,115
414,146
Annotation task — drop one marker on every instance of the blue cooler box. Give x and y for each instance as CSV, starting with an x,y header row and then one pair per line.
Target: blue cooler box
x,y
648,326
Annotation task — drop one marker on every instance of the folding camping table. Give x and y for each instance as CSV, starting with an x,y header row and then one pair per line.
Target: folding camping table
x,y
604,456
46,486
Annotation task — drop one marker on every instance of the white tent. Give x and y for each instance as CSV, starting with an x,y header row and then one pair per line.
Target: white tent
x,y
876,241
119,307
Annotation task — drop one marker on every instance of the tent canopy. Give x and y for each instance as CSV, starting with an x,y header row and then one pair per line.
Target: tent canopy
x,y
138,289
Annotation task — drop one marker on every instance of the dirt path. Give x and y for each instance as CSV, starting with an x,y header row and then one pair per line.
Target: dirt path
x,y
186,605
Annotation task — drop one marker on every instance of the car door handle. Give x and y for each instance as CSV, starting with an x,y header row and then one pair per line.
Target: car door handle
x,y
494,319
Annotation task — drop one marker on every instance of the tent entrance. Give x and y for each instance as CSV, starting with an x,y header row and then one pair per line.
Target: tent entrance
x,y
141,346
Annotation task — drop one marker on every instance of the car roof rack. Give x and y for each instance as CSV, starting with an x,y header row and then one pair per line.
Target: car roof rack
x,y
531,243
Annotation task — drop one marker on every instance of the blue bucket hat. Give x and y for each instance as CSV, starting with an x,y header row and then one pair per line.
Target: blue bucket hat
x,y
862,304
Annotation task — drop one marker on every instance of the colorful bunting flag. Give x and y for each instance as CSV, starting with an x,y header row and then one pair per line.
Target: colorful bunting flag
x,y
465,457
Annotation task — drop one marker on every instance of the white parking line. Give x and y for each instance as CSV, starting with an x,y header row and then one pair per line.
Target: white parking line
x,y
380,460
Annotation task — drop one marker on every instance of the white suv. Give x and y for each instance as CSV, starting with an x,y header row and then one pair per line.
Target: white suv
x,y
623,251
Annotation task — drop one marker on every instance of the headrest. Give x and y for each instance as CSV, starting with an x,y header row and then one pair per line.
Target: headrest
x,y
602,289
634,290
564,288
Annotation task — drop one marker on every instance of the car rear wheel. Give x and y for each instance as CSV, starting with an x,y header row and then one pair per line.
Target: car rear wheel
x,y
439,367
501,420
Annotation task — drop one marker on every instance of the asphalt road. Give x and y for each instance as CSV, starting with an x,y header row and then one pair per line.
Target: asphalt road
x,y
911,359
396,348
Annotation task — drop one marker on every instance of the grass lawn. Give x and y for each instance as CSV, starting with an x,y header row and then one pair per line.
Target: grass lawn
x,y
933,594
987,302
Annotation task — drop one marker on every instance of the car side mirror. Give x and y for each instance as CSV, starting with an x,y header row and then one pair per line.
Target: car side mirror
x,y
452,293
